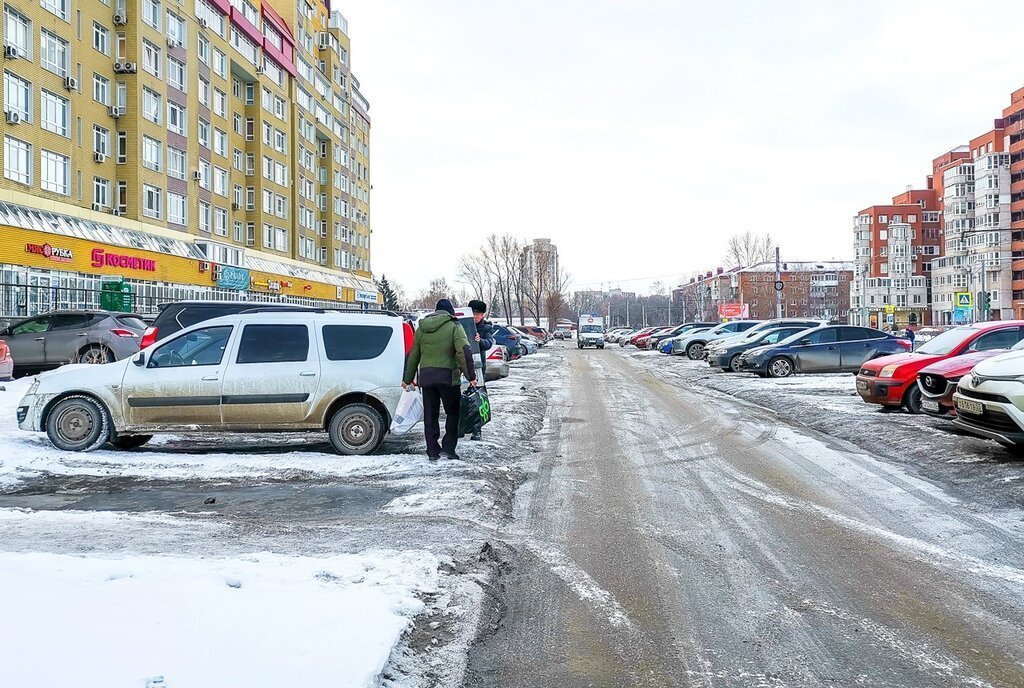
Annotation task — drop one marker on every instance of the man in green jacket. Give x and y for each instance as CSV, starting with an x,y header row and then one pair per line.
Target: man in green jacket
x,y
440,351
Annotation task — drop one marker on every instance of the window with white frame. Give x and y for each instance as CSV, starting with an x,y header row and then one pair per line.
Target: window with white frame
x,y
17,160
205,174
281,206
281,173
268,133
53,172
177,209
250,198
176,28
204,92
101,191
100,38
280,141
150,58
204,217
101,89
220,103
220,142
220,181
53,113
177,163
204,49
238,160
176,119
53,53
152,153
177,76
220,64
152,105
152,201
220,221
57,7
268,236
268,201
18,32
214,19
152,13
204,133
18,96
281,239
100,140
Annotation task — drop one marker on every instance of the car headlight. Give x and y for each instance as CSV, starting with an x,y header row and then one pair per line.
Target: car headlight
x,y
888,371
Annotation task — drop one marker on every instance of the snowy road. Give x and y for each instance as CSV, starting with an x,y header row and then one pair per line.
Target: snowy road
x,y
679,536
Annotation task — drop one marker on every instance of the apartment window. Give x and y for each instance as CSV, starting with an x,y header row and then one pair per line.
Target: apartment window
x,y
204,92
176,120
237,195
250,164
18,96
204,217
220,142
176,28
53,53
177,163
268,201
176,74
268,236
250,93
101,89
122,45
100,38
18,32
238,160
177,209
122,147
204,50
122,195
204,133
250,198
280,141
58,7
150,58
220,63
152,105
151,13
239,231
152,201
281,239
101,191
268,133
220,221
220,103
54,172
281,173
220,181
53,113
268,168
122,94
281,206
205,170
100,140
152,153
17,160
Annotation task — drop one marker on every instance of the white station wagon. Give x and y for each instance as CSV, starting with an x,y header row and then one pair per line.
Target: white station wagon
x,y
255,372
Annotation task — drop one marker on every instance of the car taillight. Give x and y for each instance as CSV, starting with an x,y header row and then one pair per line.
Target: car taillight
x,y
148,338
127,334
409,336
904,343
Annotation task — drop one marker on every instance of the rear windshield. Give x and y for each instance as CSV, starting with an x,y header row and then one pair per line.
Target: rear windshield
x,y
132,322
355,342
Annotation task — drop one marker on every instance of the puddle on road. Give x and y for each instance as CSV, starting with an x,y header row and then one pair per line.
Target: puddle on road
x,y
288,501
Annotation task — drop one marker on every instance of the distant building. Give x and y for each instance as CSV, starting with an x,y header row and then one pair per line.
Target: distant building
x,y
540,263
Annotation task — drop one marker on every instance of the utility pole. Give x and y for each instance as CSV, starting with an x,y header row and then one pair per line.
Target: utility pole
x,y
984,292
778,278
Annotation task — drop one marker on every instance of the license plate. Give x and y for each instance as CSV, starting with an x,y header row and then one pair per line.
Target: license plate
x,y
932,406
862,385
968,406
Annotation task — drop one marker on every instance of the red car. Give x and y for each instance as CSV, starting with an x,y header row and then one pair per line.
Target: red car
x,y
641,333
938,381
644,341
892,380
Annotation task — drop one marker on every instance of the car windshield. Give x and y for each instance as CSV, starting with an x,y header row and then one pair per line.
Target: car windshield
x,y
947,341
589,329
794,338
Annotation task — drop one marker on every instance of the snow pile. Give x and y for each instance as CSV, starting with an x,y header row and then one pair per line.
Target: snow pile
x,y
259,620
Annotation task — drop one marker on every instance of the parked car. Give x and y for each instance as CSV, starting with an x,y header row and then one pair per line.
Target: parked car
x,y
538,333
563,333
508,339
259,372
726,355
640,333
61,337
676,345
989,401
825,349
892,380
757,330
644,341
497,364
612,336
692,344
6,362
657,338
528,345
938,381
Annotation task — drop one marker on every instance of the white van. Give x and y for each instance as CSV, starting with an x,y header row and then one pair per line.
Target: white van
x,y
253,372
590,332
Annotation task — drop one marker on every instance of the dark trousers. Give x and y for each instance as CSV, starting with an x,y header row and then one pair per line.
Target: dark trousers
x,y
434,397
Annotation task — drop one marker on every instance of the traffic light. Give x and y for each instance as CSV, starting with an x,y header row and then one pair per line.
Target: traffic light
x,y
986,300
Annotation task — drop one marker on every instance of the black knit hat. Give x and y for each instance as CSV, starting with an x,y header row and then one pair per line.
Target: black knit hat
x,y
478,306
444,305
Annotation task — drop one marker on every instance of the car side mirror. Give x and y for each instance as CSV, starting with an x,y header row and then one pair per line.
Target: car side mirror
x,y
805,341
140,360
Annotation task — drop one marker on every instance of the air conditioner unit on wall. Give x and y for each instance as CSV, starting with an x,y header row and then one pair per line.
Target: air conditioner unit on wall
x,y
12,117
197,175
71,83
99,157
120,20
203,24
115,111
216,272
11,52
204,266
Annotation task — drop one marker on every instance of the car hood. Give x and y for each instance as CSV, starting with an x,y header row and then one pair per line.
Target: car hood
x,y
958,366
82,376
906,361
1007,365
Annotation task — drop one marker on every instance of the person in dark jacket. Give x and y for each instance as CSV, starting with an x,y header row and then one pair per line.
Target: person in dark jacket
x,y
484,337
440,350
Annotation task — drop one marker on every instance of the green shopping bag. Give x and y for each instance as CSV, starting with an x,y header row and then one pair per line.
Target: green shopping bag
x,y
474,410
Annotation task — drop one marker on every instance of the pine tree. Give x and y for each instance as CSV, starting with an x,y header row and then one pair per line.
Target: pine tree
x,y
388,294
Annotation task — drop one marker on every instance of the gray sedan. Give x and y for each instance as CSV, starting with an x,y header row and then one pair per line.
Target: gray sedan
x,y
59,337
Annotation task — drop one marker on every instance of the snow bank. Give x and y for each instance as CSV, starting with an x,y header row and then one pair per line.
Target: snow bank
x,y
253,621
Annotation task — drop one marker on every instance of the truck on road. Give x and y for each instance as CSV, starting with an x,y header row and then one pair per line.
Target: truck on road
x,y
590,332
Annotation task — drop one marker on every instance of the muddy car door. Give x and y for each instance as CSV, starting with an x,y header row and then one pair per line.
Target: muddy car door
x,y
177,384
273,380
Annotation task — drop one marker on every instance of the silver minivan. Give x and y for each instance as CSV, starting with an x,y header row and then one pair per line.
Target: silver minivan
x,y
257,372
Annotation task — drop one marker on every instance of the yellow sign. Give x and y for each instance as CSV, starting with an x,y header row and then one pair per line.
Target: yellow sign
x,y
890,309
963,299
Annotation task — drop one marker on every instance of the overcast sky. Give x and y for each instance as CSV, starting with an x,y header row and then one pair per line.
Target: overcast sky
x,y
638,135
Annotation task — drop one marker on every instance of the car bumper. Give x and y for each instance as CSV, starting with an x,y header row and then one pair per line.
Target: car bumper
x,y
756,366
30,411
718,360
885,391
998,420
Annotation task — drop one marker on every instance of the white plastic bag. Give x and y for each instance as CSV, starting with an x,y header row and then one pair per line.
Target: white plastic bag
x,y
408,413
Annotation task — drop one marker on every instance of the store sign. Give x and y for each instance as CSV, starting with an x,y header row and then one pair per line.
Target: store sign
x,y
232,277
366,296
60,255
341,293
734,310
101,258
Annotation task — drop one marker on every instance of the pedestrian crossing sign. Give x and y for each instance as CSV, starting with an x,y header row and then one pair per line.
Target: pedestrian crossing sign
x,y
964,299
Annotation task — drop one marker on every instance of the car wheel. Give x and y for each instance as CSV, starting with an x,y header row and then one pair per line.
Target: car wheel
x,y
912,400
78,423
780,366
356,429
129,441
95,355
734,364
695,351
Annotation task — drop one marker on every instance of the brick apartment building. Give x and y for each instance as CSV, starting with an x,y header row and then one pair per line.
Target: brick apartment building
x,y
1013,121
810,290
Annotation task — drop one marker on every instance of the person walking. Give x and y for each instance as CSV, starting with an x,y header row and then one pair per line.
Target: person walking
x,y
440,350
485,338
910,335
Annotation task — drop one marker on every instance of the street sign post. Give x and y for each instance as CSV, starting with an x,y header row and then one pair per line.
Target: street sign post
x,y
963,299
889,309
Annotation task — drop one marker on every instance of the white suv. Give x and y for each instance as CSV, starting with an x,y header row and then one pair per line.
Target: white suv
x,y
255,372
989,400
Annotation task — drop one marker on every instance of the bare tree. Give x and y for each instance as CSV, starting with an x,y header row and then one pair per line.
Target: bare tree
x,y
438,289
749,249
658,288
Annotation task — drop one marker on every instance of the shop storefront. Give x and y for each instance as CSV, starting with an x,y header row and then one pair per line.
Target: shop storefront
x,y
49,261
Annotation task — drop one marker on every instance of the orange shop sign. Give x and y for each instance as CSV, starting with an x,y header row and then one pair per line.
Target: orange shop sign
x,y
734,310
54,253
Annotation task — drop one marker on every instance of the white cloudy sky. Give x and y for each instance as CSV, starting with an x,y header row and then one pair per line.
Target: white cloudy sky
x,y
638,135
